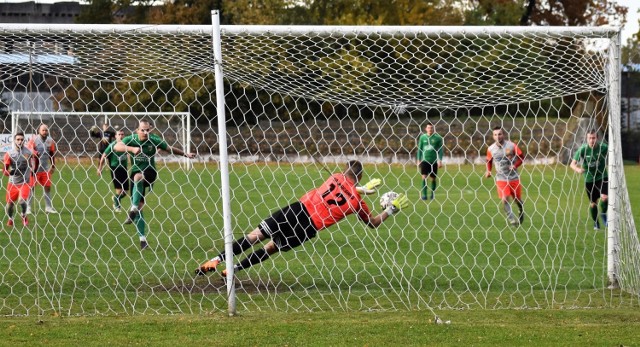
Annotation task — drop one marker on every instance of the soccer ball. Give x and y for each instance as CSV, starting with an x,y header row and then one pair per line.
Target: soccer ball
x,y
387,198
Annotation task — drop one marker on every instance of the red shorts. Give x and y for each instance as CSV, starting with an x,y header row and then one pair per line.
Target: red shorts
x,y
509,188
43,179
14,192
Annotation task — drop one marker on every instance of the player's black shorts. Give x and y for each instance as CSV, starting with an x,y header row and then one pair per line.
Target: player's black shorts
x,y
596,189
429,169
149,176
120,178
289,227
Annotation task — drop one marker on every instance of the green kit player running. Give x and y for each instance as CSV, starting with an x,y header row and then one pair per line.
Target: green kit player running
x,y
143,146
429,159
593,156
118,163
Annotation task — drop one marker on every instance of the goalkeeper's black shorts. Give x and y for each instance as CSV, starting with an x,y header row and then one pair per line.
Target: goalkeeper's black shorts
x,y
289,227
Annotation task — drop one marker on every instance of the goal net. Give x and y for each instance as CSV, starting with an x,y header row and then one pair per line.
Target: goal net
x,y
298,103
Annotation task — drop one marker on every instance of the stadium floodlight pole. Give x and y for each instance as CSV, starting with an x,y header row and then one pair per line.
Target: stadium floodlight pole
x,y
615,164
224,160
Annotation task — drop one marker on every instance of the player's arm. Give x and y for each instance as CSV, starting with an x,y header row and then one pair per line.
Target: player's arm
x,y
35,162
574,162
7,164
52,155
178,151
103,158
373,222
123,146
575,167
441,152
489,164
519,157
419,151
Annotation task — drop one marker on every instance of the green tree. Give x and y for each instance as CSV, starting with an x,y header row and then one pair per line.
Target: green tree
x,y
115,11
187,12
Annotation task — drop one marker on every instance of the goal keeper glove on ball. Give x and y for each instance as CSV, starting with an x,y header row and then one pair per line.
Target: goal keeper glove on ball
x,y
398,204
370,187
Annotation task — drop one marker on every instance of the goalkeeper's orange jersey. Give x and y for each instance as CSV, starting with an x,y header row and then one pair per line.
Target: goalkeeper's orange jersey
x,y
335,199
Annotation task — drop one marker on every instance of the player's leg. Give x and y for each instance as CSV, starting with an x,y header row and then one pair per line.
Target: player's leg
x,y
594,194
141,226
516,189
44,179
294,228
424,173
32,187
118,177
137,191
254,258
10,206
503,193
604,201
23,197
240,245
433,177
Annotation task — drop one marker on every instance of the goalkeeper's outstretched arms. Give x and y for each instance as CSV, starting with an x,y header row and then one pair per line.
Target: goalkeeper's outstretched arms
x,y
370,187
399,203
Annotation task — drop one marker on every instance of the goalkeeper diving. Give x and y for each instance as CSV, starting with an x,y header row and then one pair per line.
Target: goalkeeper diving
x,y
318,209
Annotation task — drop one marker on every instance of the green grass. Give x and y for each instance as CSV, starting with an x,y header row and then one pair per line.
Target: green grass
x,y
449,255
454,252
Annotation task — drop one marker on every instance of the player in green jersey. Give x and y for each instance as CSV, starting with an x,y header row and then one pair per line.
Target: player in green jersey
x,y
429,159
593,156
143,147
118,163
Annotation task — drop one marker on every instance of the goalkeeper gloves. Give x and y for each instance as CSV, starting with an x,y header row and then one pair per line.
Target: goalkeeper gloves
x,y
370,187
398,204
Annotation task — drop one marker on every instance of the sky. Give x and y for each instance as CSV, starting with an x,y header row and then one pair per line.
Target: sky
x,y
629,29
632,18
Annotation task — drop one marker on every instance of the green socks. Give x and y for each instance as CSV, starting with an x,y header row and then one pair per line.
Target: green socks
x,y
140,224
136,195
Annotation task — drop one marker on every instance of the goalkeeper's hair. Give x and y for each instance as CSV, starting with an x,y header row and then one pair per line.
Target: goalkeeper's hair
x,y
354,169
18,133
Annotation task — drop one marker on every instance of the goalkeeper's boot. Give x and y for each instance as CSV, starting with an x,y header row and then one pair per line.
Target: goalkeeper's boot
x,y
596,225
10,222
433,195
25,220
224,272
143,244
50,210
209,266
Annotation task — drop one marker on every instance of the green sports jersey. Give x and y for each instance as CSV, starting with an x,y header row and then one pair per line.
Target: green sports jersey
x,y
146,158
594,161
116,159
430,148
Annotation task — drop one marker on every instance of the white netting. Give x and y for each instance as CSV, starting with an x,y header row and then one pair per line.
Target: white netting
x,y
302,101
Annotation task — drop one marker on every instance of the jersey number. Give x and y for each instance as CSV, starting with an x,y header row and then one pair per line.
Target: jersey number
x,y
340,199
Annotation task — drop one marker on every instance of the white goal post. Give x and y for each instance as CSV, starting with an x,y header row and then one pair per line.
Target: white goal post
x,y
271,111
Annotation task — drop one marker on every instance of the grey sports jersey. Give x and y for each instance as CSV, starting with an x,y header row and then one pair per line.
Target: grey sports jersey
x,y
503,157
18,160
45,150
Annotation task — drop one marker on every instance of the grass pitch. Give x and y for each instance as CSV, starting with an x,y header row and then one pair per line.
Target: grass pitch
x,y
454,252
85,262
